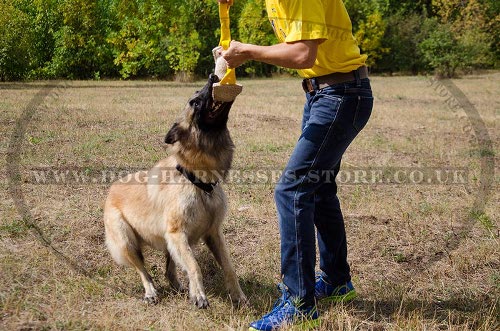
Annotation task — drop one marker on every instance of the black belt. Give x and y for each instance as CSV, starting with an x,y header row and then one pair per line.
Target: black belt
x,y
317,83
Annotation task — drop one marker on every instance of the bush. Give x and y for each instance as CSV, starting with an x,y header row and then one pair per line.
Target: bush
x,y
402,37
184,43
81,50
140,40
369,37
359,10
447,51
15,42
442,51
254,28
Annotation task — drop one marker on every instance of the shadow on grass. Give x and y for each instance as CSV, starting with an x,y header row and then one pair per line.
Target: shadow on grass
x,y
475,313
261,293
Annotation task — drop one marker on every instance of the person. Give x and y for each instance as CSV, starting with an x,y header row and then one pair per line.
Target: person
x,y
316,38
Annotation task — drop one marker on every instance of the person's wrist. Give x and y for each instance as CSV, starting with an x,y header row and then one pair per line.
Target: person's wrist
x,y
248,51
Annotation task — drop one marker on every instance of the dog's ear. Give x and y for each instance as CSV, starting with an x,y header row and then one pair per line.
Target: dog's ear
x,y
173,134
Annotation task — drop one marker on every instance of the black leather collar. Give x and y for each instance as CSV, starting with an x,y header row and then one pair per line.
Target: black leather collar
x,y
207,187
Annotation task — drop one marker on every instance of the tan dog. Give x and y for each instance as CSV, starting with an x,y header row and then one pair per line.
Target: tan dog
x,y
178,202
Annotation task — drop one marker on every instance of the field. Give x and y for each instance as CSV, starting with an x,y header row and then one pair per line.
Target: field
x,y
419,193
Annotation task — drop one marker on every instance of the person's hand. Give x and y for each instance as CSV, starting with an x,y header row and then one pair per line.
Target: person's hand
x,y
235,55
229,2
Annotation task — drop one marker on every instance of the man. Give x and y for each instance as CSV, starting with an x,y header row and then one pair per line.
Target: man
x,y
315,38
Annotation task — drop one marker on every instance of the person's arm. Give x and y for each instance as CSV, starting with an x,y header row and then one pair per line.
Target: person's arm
x,y
297,55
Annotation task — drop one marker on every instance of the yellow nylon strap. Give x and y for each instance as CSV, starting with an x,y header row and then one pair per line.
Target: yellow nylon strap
x,y
225,39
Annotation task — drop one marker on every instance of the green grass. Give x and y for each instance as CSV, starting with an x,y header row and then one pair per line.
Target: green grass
x,y
421,259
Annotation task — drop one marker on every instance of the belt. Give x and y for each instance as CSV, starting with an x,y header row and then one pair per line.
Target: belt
x,y
317,83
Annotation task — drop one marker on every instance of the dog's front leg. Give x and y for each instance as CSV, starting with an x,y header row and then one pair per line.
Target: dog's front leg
x,y
217,245
181,252
171,274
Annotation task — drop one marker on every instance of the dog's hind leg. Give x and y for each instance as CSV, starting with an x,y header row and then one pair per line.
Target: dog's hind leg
x,y
125,249
217,245
182,254
171,273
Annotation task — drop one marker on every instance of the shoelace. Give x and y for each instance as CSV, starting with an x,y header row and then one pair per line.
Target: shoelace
x,y
280,302
282,307
286,309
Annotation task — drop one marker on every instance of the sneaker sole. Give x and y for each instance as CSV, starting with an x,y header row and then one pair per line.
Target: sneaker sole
x,y
351,295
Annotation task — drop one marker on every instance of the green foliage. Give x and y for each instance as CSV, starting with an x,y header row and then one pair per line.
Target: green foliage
x,y
80,46
206,21
183,42
446,50
15,42
405,7
156,38
442,51
254,28
369,36
45,19
140,44
172,38
475,49
360,10
475,32
402,37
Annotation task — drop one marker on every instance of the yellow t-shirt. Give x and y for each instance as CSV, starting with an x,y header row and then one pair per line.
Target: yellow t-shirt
x,y
295,20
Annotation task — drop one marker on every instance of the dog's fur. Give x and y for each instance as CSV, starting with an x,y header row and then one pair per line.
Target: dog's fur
x,y
161,208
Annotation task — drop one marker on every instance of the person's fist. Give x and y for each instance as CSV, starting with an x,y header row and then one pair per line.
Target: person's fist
x,y
236,54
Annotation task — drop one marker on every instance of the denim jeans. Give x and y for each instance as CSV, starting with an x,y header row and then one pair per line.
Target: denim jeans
x,y
306,196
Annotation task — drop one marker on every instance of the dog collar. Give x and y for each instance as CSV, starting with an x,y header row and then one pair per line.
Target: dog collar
x,y
206,187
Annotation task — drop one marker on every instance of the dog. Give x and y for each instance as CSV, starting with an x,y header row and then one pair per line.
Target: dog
x,y
178,202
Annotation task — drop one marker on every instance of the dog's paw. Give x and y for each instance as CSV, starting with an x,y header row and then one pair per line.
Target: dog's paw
x,y
151,300
200,301
239,301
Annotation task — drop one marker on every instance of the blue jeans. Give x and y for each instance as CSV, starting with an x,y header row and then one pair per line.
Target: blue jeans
x,y
306,196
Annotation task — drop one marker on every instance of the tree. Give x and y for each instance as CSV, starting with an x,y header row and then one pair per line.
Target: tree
x,y
254,28
369,37
141,38
360,10
81,50
15,42
183,42
472,24
402,37
442,51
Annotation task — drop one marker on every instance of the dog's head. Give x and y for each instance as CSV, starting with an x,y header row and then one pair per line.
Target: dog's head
x,y
201,130
205,113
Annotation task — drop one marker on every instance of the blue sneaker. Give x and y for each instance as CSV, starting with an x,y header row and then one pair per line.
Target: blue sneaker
x,y
323,290
286,312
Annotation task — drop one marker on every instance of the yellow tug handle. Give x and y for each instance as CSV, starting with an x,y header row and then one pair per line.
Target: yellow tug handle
x,y
225,39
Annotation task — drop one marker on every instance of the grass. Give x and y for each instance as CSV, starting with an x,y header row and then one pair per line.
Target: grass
x,y
420,258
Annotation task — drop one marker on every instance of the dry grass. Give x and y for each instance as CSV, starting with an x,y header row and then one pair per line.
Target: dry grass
x,y
420,259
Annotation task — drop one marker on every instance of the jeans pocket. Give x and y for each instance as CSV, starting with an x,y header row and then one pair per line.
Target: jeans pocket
x,y
363,112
